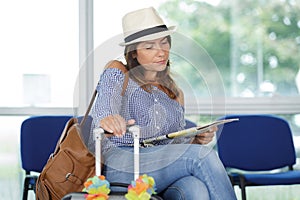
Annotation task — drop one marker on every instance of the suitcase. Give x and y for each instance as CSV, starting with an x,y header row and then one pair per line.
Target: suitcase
x,y
98,134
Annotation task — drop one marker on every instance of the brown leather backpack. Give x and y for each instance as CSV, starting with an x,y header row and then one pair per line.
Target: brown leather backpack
x,y
70,165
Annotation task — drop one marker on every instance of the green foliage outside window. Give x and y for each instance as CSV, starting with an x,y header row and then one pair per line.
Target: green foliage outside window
x,y
254,43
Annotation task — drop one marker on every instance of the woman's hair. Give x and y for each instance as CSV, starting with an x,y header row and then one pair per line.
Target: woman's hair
x,y
166,82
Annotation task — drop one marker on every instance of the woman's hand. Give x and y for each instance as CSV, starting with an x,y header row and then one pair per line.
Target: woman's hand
x,y
205,138
115,124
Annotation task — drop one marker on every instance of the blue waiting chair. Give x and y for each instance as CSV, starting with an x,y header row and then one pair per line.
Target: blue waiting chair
x,y
39,136
258,143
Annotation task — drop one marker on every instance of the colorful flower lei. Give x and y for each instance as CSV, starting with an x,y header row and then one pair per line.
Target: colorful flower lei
x,y
141,189
97,188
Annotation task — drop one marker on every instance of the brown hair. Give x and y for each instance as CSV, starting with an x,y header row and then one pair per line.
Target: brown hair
x,y
164,79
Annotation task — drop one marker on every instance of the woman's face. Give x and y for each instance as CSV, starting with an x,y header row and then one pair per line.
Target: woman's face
x,y
153,55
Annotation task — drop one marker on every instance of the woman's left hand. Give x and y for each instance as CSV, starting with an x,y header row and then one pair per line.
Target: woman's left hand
x,y
205,138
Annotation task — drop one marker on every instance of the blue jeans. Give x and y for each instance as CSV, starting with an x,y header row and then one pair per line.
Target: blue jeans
x,y
180,171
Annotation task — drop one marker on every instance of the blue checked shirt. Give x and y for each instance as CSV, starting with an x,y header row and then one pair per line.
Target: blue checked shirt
x,y
155,113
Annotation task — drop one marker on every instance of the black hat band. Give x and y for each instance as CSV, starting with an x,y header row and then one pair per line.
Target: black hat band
x,y
145,32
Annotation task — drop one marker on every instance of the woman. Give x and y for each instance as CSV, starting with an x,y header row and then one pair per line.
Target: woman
x,y
142,92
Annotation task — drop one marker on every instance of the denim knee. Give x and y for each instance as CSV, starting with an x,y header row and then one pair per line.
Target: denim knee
x,y
187,188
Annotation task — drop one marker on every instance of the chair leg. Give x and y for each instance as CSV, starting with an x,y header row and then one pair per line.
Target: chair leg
x,y
25,189
29,184
243,187
243,193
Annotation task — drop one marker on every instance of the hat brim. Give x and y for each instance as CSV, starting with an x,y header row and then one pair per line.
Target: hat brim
x,y
153,36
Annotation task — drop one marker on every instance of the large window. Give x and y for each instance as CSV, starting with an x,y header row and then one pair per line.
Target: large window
x,y
39,48
255,44
39,67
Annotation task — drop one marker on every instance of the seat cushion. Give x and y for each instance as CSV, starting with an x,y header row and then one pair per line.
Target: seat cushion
x,y
282,178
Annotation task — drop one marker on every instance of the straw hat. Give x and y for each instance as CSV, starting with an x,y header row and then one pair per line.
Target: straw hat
x,y
143,25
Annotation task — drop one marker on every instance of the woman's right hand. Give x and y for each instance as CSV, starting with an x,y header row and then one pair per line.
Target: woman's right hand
x,y
115,124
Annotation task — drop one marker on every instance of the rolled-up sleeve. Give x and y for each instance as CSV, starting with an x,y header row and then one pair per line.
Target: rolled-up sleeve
x,y
109,97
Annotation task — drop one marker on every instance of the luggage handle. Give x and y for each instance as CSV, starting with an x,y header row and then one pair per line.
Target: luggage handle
x,y
99,134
